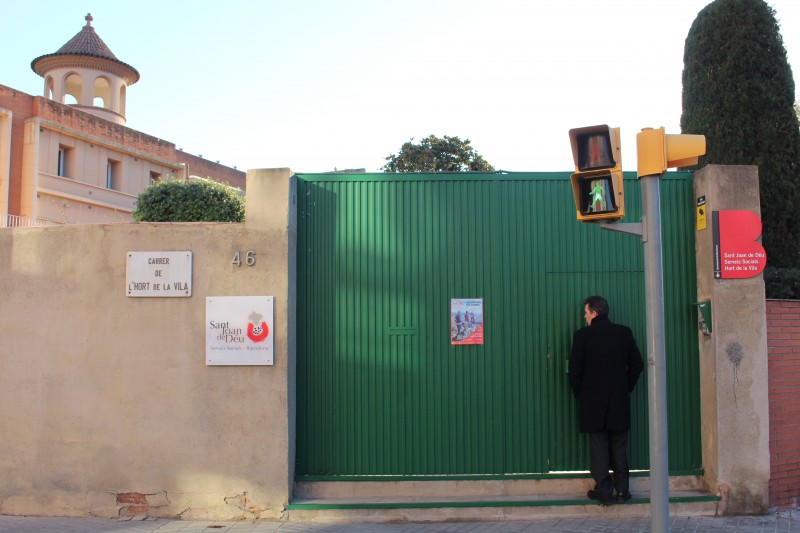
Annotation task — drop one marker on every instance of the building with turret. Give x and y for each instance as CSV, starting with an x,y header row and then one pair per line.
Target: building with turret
x,y
68,157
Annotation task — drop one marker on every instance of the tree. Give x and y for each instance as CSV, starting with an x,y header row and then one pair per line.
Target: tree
x,y
189,201
434,154
738,91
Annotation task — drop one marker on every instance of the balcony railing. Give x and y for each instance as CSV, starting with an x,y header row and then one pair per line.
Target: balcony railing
x,y
15,221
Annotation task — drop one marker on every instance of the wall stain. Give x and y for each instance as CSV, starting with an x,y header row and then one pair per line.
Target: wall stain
x,y
735,354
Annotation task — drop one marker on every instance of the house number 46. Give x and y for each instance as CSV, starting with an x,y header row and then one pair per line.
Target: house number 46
x,y
249,258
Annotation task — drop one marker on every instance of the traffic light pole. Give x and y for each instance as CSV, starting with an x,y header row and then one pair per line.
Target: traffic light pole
x,y
650,231
598,173
656,354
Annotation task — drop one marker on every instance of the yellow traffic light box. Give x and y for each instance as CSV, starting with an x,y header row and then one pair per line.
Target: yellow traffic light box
x,y
657,151
597,182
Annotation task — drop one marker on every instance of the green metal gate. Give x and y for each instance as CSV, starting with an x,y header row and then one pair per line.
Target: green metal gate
x,y
380,389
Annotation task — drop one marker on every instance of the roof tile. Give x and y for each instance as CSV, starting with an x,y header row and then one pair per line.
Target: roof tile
x,y
87,42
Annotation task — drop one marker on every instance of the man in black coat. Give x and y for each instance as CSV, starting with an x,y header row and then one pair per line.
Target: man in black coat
x,y
603,369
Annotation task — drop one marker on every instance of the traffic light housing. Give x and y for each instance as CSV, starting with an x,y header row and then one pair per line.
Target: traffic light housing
x,y
657,151
597,182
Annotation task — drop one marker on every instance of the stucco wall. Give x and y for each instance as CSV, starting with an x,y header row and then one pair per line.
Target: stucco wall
x,y
106,404
733,358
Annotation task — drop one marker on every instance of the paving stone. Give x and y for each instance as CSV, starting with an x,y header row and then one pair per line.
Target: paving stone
x,y
780,522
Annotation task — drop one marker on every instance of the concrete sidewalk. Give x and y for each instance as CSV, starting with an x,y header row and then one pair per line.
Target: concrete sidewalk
x,y
780,522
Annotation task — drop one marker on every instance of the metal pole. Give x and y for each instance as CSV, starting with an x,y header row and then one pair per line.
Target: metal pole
x,y
656,354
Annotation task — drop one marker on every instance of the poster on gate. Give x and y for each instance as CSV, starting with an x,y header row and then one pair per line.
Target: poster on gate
x,y
466,321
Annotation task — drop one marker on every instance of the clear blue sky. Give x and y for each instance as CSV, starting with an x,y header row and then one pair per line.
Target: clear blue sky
x,y
321,84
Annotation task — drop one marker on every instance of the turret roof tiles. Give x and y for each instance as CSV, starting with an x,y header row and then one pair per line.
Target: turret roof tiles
x,y
86,43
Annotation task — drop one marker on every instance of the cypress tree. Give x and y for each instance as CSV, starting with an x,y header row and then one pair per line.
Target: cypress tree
x,y
738,91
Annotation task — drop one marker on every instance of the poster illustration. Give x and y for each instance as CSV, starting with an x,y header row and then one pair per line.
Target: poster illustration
x,y
466,321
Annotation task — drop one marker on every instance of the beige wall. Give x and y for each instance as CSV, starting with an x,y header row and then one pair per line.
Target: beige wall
x,y
82,195
102,394
5,157
733,359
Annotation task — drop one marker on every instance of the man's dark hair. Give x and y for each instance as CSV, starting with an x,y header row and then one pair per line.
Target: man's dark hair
x,y
598,304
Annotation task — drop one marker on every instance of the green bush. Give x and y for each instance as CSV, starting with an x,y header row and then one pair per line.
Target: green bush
x,y
189,201
782,283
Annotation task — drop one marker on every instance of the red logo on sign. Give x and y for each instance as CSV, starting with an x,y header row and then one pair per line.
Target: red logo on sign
x,y
738,254
257,333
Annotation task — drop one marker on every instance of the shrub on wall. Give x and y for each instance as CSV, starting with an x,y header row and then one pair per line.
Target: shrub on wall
x,y
189,201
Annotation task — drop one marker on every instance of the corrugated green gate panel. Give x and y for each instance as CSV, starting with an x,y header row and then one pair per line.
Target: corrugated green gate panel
x,y
380,389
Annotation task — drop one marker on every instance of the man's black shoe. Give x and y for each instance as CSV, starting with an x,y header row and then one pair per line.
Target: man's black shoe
x,y
602,499
622,498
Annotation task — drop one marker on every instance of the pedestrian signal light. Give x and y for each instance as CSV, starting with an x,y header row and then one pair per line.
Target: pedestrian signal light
x,y
657,151
597,182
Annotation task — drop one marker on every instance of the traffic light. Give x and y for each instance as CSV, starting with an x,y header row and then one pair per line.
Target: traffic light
x,y
597,181
657,151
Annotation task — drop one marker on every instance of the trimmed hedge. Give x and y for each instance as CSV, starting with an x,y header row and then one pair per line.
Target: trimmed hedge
x,y
189,201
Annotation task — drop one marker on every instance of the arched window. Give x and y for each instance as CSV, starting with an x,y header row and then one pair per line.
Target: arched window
x,y
49,85
73,87
102,92
122,100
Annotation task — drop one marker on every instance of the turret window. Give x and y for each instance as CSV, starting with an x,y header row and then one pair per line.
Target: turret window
x,y
48,87
73,87
102,93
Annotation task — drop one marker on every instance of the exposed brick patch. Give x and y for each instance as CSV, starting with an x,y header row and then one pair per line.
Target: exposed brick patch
x,y
783,347
133,504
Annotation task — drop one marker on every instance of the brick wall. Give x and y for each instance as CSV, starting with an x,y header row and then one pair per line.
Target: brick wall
x,y
77,119
783,342
21,105
209,169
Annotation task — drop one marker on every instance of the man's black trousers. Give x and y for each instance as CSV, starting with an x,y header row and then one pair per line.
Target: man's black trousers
x,y
609,450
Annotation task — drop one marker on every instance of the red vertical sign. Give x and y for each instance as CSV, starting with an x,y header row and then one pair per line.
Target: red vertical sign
x,y
737,254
